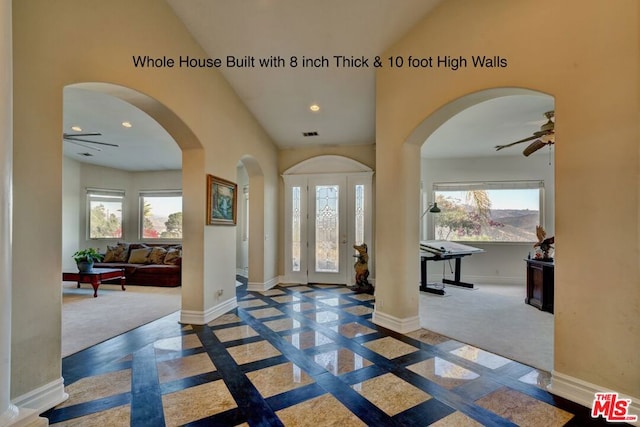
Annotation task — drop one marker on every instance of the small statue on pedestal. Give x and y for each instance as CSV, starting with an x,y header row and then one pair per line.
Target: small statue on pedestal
x,y
361,267
544,244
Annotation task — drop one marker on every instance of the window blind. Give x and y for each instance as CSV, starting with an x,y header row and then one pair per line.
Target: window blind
x,y
104,195
493,185
161,193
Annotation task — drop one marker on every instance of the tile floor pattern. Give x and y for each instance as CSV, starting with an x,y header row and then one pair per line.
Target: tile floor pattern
x,y
301,356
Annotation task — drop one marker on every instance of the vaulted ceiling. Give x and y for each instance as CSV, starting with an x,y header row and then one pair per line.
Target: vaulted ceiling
x,y
280,97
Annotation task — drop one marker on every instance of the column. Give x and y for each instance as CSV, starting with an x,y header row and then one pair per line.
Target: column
x,y
8,412
10,415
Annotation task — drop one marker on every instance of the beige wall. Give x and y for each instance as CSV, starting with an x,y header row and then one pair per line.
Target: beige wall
x,y
77,176
71,41
586,55
72,199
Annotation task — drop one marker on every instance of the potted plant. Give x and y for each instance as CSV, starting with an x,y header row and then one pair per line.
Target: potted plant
x,y
85,258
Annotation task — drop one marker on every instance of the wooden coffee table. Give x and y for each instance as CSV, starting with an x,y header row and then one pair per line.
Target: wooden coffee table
x,y
95,277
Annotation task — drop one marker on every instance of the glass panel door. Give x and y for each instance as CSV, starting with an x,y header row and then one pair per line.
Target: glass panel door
x,y
327,229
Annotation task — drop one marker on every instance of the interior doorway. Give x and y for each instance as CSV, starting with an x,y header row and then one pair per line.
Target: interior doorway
x,y
121,182
460,154
326,213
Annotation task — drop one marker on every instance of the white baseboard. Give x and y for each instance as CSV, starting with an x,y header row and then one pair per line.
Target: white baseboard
x,y
242,272
193,317
408,324
43,398
22,417
582,392
288,280
261,287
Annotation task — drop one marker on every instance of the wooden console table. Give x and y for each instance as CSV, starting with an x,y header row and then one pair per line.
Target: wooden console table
x,y
540,284
95,277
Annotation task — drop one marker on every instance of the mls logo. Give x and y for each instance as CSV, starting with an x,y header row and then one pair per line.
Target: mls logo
x,y
611,408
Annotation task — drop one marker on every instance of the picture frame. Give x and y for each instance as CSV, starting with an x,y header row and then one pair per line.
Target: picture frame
x,y
222,201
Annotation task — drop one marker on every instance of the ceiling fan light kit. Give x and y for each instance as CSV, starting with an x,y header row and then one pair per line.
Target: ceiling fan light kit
x,y
545,136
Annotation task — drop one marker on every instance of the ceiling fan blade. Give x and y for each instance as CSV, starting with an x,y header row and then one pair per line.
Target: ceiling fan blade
x,y
500,147
82,145
533,147
73,138
67,135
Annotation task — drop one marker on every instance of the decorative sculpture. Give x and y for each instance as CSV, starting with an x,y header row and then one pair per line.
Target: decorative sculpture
x,y
361,267
544,244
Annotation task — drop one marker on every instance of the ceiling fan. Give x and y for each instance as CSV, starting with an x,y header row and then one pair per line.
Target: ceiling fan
x,y
79,139
545,136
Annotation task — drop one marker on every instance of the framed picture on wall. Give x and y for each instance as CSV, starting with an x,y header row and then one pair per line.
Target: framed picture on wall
x,y
222,201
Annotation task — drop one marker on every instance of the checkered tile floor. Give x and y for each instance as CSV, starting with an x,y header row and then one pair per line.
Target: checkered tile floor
x,y
301,355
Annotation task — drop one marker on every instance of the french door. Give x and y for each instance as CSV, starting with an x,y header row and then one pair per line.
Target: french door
x,y
325,215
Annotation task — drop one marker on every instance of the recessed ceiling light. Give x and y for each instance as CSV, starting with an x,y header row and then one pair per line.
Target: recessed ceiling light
x,y
76,128
126,124
314,107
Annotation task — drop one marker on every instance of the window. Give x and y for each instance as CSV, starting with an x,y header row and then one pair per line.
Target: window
x,y
295,229
105,213
359,213
161,215
489,211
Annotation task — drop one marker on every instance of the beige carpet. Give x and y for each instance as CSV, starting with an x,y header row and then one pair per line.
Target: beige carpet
x,y
494,318
87,321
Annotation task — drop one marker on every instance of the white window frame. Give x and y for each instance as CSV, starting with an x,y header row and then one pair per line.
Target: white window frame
x,y
154,193
485,185
245,209
291,181
106,195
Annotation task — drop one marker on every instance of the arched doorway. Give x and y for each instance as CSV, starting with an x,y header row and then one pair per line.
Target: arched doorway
x,y
252,228
160,176
463,156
